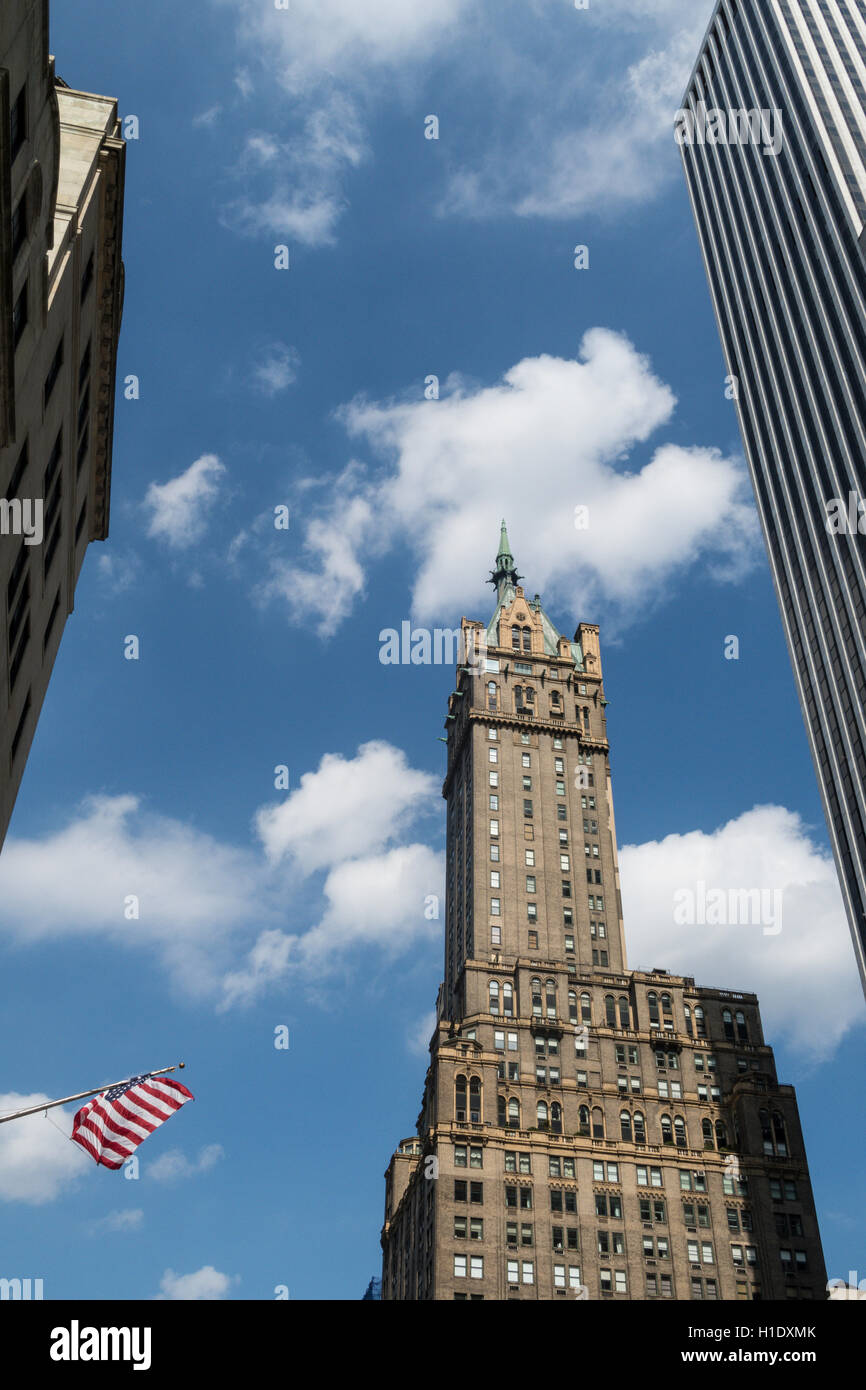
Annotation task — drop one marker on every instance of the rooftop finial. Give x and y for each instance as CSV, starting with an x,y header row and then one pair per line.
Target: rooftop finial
x,y
505,572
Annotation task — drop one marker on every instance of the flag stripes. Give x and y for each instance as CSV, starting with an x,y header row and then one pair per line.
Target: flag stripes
x,y
112,1126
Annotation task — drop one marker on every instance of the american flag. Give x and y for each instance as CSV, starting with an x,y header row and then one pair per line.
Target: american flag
x,y
112,1126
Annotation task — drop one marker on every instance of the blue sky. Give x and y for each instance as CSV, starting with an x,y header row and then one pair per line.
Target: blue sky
x,y
260,647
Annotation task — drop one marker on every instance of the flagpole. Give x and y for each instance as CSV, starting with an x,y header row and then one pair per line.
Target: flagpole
x,y
82,1095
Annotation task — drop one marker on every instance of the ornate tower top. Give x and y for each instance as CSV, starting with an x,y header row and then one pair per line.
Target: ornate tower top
x,y
505,575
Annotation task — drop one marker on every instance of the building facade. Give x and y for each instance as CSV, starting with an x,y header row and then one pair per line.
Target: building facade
x,y
61,292
586,1131
780,206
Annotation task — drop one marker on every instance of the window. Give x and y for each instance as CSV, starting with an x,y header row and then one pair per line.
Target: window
x,y
494,828
493,755
495,936
530,859
87,278
527,809
460,1156
459,1266
495,907
18,124
19,226
19,316
494,878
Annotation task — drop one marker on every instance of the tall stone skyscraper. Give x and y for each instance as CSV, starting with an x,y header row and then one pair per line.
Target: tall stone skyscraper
x,y
586,1130
780,204
61,292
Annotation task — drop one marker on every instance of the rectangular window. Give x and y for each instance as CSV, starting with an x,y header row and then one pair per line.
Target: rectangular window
x,y
494,854
53,374
476,1267
530,858
19,226
494,779
528,1272
527,809
460,1156
18,124
87,278
513,1271
493,755
494,878
19,315
495,907
495,936
459,1266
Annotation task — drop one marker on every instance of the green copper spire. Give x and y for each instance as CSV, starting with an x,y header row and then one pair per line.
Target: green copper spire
x,y
505,573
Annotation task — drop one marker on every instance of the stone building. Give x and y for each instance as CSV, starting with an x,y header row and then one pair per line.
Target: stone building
x,y
586,1131
61,294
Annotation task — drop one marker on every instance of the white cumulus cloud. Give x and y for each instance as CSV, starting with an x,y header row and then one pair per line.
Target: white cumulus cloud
x,y
570,426
173,1165
803,975
204,1285
179,509
37,1161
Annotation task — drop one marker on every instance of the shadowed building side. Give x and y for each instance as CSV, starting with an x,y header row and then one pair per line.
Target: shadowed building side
x,y
61,294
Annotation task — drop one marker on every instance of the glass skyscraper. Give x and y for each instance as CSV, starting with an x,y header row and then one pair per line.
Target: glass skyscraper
x,y
773,139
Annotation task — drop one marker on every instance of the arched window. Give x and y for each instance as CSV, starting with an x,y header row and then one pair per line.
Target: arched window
x,y
779,1135
460,1097
583,1120
688,1013
597,1123
742,1030
550,998
492,695
728,1024
530,695
508,999
541,1112
610,1010
625,1125
585,1008
527,639
667,1007
721,1134
624,1015
653,1002
514,1113
535,987
700,1022
639,1128
707,1131
475,1100
518,698
494,996
555,701
500,1111
680,1131
766,1132
667,1130
572,1006
515,638
556,1117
